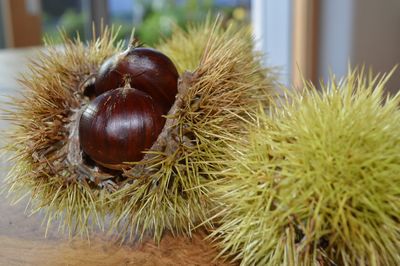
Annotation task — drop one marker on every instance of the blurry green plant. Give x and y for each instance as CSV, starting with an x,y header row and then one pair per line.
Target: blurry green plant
x,y
158,24
71,22
159,19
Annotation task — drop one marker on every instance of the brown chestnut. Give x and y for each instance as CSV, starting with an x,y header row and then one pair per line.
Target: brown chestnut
x,y
146,69
117,126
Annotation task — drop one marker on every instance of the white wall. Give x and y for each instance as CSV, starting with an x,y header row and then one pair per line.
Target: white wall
x,y
335,37
271,20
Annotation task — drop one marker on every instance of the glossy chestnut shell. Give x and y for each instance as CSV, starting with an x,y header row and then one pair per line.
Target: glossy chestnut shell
x,y
117,126
146,69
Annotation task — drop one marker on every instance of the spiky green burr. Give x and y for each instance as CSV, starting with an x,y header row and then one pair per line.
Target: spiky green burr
x,y
317,181
187,46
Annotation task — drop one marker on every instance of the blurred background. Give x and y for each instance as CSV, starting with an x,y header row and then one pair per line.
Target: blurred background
x,y
314,37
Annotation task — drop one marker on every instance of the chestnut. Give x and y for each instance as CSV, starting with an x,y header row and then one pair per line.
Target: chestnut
x,y
146,69
117,126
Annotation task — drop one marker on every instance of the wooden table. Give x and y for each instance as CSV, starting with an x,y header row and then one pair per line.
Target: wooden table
x,y
22,240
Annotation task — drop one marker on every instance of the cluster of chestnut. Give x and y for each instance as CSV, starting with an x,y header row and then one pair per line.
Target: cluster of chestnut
x,y
132,92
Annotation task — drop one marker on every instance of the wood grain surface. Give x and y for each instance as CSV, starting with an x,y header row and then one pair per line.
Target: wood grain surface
x,y
22,240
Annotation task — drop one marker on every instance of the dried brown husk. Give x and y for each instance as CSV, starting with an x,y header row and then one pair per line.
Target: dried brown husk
x,y
165,190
